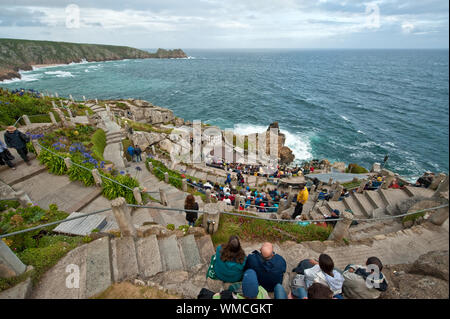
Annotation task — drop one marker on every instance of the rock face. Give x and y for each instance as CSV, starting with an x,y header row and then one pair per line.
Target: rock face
x,y
146,139
426,278
284,153
339,166
151,114
22,54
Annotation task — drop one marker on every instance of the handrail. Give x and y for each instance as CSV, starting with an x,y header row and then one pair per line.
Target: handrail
x,y
53,223
292,220
81,166
224,212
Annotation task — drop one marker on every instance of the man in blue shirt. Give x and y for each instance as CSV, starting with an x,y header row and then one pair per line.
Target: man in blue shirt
x,y
269,266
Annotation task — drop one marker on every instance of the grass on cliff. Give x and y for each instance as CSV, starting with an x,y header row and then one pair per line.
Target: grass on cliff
x,y
40,248
126,290
98,140
257,230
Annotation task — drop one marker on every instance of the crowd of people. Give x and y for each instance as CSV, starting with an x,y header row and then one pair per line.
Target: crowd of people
x,y
261,272
253,200
281,171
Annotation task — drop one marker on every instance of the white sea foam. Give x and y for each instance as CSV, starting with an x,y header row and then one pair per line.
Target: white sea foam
x,y
346,119
361,132
299,143
390,144
26,76
59,74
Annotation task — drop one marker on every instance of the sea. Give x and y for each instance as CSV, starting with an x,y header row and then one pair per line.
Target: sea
x,y
354,106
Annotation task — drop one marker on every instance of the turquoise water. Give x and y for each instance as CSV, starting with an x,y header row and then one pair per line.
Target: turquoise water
x,y
343,105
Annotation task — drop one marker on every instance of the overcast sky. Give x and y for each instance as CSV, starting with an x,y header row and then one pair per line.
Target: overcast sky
x,y
231,23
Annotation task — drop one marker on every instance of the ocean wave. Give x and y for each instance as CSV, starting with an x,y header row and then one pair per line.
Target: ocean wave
x,y
25,76
299,143
361,132
60,74
345,119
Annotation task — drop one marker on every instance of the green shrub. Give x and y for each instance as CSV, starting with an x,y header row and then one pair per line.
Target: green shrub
x,y
99,143
159,169
113,190
356,169
170,227
55,164
6,204
77,173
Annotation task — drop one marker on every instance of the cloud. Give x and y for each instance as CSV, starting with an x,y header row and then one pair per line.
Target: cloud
x,y
200,23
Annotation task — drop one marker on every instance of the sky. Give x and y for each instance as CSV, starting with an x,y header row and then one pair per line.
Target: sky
x,y
219,24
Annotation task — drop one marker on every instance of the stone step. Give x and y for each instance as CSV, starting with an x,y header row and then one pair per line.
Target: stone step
x,y
419,191
141,216
364,205
98,267
339,205
170,254
351,204
86,200
114,140
156,214
174,197
124,259
205,248
384,197
324,210
148,256
22,173
69,196
408,191
396,195
190,254
374,198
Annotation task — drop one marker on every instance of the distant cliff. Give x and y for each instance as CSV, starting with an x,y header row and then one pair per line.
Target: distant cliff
x,y
18,55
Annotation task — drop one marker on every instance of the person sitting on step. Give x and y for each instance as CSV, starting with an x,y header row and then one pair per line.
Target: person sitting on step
x,y
230,261
269,266
323,272
364,282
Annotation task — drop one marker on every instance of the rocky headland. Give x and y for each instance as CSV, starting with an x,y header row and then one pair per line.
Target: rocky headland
x,y
16,54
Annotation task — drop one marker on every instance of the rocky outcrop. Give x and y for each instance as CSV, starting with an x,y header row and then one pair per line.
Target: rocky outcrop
x,y
151,114
23,54
426,278
146,139
284,153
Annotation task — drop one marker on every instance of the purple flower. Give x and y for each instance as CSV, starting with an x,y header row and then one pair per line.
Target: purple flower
x,y
138,168
122,172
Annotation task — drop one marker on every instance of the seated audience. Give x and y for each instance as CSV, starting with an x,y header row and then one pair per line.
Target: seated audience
x,y
355,284
269,266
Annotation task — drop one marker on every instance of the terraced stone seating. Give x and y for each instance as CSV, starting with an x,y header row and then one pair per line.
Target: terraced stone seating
x,y
169,259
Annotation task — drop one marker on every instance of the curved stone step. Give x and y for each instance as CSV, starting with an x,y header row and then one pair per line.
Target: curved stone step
x,y
190,253
364,205
98,267
170,254
148,256
124,259
205,248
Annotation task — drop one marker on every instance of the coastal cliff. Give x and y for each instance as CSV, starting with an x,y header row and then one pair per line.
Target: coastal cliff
x,y
18,54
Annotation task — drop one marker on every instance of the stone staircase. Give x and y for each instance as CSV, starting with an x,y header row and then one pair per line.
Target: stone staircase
x,y
108,260
179,263
372,204
34,180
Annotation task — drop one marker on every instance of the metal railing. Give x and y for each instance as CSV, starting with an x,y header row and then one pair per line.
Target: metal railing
x,y
53,223
223,212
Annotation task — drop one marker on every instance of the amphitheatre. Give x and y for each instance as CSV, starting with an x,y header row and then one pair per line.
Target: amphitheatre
x,y
127,227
